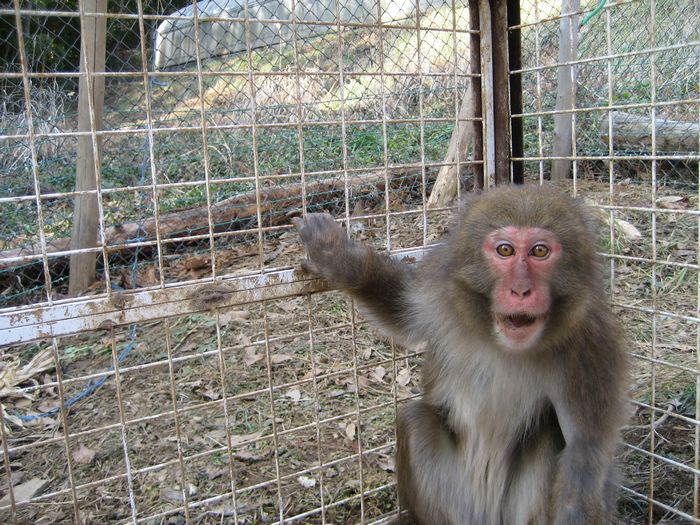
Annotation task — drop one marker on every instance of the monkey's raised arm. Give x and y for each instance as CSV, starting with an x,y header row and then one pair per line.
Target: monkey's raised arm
x,y
378,282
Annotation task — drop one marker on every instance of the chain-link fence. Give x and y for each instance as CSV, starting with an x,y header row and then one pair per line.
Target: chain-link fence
x,y
198,379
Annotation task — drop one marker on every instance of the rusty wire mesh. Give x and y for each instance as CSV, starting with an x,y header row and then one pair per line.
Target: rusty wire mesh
x,y
146,402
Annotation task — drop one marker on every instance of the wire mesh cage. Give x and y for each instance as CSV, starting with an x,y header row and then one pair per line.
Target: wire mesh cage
x,y
199,377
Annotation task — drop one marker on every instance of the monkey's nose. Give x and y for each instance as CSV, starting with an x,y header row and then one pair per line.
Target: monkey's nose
x,y
522,293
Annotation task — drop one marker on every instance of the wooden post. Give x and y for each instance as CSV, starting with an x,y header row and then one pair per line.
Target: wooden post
x,y
501,87
566,90
90,97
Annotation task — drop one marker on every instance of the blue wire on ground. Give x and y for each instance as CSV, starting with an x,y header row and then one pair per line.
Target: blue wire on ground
x,y
92,387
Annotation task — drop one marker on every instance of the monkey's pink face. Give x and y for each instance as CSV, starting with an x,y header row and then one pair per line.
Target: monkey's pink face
x,y
522,261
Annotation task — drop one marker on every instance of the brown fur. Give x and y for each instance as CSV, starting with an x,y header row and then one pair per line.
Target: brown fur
x,y
499,437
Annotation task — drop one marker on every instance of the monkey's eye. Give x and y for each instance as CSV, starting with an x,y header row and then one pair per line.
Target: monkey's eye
x,y
539,251
505,250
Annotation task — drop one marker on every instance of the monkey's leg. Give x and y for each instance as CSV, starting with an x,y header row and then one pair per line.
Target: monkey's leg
x,y
430,477
528,499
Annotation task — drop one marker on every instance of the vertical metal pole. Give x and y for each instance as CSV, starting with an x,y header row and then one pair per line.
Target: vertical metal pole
x,y
487,99
517,149
475,83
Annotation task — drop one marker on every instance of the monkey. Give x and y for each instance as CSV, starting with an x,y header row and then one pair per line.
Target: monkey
x,y
524,371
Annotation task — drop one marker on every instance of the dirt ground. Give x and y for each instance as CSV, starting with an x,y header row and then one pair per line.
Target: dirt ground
x,y
275,410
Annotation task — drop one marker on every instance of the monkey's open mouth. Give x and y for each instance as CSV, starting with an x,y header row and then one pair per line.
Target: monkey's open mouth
x,y
519,330
519,320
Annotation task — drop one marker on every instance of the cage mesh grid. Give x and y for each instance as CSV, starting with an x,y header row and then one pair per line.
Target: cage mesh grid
x,y
274,406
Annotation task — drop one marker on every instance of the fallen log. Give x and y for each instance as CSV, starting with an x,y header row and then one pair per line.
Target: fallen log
x,y
633,132
275,203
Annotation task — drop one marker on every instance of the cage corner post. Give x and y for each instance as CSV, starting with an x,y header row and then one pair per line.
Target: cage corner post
x,y
501,91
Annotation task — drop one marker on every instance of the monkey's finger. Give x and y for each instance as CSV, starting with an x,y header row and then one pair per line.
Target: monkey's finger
x,y
309,267
312,220
298,222
304,228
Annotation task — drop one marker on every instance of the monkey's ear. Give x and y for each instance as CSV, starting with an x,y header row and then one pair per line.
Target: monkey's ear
x,y
463,206
594,219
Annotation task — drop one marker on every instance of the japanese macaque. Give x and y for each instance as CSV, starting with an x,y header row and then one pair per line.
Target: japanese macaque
x,y
524,375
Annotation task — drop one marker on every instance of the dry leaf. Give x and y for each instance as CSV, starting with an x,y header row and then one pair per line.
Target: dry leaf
x,y
48,406
386,463
176,495
624,228
172,495
231,316
250,457
672,203
352,387
294,394
83,455
289,307
218,436
212,393
271,256
379,373
244,438
149,276
276,359
40,421
350,430
628,229
25,491
403,377
307,482
197,263
216,471
250,356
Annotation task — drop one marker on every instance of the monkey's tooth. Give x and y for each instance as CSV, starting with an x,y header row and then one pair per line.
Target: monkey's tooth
x,y
520,320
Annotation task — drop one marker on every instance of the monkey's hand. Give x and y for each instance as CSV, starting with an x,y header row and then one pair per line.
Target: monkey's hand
x,y
377,281
332,255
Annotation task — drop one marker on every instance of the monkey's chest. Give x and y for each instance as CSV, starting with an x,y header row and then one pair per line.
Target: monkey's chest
x,y
493,419
490,401
494,412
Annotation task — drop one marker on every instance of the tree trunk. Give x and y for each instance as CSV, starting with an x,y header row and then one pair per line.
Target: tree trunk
x,y
445,188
